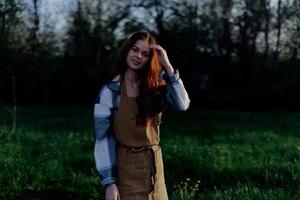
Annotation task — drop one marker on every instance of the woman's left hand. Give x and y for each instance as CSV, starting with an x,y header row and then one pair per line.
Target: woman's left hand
x,y
163,58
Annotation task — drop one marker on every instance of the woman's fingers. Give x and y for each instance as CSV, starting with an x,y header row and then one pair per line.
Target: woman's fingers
x,y
156,47
161,51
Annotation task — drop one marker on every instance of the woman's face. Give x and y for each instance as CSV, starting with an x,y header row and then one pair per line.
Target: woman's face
x,y
138,55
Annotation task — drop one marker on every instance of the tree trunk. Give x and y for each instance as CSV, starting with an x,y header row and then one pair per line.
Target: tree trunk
x,y
279,24
267,28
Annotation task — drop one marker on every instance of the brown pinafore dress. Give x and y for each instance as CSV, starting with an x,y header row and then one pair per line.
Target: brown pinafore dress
x,y
140,166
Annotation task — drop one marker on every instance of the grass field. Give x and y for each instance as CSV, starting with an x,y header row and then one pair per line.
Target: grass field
x,y
207,155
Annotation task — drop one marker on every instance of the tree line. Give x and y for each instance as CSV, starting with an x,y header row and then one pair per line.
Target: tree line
x,y
230,53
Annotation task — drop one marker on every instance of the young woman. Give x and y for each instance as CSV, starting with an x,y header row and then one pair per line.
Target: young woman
x,y
127,116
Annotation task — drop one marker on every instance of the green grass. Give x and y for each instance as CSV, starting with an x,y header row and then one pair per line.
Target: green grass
x,y
207,155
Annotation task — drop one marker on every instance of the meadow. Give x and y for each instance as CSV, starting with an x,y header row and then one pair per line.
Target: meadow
x,y
208,154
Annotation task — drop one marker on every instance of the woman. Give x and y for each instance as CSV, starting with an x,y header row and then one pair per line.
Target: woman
x,y
127,117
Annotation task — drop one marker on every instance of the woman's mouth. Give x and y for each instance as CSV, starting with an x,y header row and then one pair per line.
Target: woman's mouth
x,y
136,62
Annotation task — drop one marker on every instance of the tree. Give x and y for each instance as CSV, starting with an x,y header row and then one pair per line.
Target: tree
x,y
279,19
90,45
294,40
226,42
33,39
267,15
10,44
9,20
155,11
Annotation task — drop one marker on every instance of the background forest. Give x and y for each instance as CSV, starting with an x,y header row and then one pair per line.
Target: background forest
x,y
234,53
240,63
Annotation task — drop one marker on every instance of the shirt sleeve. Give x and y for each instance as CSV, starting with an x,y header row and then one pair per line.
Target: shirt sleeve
x,y
177,95
104,151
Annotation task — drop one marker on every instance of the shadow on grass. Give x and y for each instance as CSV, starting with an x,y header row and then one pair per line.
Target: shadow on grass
x,y
207,124
50,119
210,178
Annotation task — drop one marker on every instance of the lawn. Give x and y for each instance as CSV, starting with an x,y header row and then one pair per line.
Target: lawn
x,y
208,154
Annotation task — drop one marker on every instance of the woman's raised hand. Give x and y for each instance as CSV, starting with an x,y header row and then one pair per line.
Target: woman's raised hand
x,y
163,58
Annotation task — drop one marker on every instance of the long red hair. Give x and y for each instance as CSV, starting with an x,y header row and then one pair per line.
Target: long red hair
x,y
151,99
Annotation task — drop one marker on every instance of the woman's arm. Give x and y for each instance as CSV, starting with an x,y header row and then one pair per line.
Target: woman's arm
x,y
104,152
176,93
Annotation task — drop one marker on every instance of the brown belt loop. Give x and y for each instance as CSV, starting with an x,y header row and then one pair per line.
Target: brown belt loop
x,y
137,149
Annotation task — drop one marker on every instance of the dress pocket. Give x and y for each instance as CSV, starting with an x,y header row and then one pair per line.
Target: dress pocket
x,y
134,169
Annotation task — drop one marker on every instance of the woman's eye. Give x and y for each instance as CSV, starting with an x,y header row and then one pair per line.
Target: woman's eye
x,y
146,54
135,49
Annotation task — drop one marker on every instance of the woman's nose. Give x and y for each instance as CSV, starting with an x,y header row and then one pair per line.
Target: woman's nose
x,y
139,54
